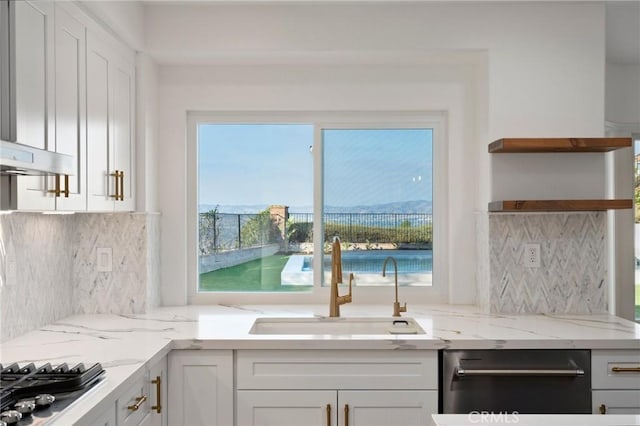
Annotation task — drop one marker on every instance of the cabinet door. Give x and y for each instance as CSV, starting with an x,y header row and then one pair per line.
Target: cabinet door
x,y
286,408
123,128
34,94
201,391
110,127
101,186
616,401
70,105
157,415
385,407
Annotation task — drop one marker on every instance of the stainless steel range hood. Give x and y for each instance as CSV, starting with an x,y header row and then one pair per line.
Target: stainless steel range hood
x,y
16,158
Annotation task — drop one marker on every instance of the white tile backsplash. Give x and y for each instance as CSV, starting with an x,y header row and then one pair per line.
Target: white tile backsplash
x,y
56,271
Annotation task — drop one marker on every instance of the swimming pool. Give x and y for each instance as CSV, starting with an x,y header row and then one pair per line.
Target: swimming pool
x,y
414,267
372,260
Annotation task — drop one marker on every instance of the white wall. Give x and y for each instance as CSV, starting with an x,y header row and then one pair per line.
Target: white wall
x,y
623,93
146,133
541,74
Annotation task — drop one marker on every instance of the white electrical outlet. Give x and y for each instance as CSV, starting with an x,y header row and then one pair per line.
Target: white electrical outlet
x,y
532,255
105,259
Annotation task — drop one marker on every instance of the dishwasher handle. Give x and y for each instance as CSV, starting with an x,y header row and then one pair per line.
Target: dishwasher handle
x,y
573,372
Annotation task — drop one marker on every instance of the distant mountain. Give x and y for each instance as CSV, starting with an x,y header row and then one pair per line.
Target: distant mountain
x,y
415,206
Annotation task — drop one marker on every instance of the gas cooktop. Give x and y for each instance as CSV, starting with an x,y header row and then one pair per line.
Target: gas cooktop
x,y
33,395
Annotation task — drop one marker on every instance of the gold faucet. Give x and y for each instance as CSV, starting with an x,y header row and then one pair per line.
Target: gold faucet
x,y
396,305
336,278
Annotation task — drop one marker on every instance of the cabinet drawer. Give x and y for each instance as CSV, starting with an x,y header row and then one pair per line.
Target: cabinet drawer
x,y
615,369
301,369
616,402
129,398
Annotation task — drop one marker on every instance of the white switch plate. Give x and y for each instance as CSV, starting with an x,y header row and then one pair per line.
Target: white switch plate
x,y
532,255
105,259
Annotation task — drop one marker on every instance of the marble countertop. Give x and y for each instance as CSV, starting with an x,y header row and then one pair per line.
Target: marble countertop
x,y
537,420
123,344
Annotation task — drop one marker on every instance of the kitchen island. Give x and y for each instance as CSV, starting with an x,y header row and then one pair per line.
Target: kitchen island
x,y
126,344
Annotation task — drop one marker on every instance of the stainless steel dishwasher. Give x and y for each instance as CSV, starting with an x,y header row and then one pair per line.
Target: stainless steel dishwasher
x,y
527,381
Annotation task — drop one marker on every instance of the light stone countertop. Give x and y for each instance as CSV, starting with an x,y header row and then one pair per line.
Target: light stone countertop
x,y
124,344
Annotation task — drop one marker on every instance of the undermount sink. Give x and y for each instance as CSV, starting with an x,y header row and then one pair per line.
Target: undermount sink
x,y
337,326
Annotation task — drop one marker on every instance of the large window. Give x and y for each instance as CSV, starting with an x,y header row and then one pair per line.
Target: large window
x,y
273,194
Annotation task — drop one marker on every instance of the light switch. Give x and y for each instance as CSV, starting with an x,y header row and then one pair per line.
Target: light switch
x,y
105,257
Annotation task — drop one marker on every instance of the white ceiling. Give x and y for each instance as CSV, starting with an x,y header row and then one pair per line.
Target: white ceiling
x,y
622,20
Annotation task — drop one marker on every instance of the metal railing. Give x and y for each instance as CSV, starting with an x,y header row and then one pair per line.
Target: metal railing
x,y
366,227
226,231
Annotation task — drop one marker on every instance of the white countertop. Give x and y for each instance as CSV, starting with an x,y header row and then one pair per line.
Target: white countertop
x,y
536,420
123,344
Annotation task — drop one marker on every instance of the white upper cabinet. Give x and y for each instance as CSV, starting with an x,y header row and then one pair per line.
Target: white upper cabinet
x,y
70,101
110,139
75,95
34,34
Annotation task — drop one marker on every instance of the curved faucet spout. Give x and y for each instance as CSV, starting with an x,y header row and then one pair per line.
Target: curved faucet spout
x,y
396,305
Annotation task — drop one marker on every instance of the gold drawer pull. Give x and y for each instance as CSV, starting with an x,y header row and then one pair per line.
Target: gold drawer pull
x,y
603,409
157,407
139,401
328,414
625,369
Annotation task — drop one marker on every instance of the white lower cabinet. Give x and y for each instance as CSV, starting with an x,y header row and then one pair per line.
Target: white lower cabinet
x,y
133,404
286,408
386,407
201,387
615,378
335,388
107,418
157,382
342,408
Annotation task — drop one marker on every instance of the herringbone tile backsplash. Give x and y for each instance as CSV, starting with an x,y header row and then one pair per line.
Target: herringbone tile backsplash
x,y
572,274
56,275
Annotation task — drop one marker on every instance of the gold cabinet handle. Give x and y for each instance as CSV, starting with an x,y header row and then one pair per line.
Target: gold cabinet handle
x,y
346,414
603,409
121,185
66,186
57,191
139,401
328,414
117,176
625,369
157,407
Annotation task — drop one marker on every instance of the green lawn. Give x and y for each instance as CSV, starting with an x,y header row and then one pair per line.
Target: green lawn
x,y
256,275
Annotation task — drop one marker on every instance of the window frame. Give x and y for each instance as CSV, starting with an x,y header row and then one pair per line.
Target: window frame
x,y
436,293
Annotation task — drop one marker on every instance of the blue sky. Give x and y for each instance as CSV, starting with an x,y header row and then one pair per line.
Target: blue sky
x,y
272,164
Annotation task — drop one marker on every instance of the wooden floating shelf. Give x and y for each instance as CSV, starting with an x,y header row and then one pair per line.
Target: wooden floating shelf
x,y
558,205
533,145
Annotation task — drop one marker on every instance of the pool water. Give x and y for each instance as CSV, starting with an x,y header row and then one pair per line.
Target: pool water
x,y
371,261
